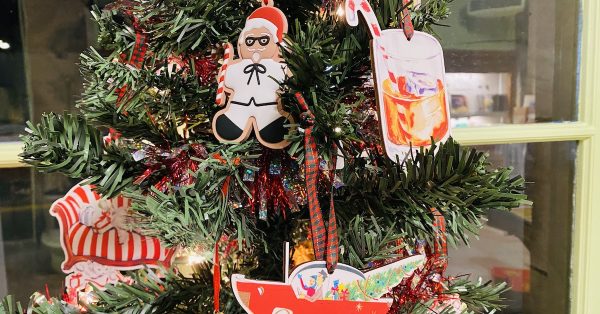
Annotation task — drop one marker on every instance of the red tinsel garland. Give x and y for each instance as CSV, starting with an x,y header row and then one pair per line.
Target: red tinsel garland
x,y
173,166
268,190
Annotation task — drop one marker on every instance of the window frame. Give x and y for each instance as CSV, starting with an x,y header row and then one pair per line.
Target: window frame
x,y
586,131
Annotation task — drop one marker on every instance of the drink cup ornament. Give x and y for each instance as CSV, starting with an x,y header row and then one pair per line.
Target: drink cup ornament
x,y
249,84
408,72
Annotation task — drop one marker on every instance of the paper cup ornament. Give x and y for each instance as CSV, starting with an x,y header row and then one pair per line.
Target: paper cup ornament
x,y
409,79
310,288
251,83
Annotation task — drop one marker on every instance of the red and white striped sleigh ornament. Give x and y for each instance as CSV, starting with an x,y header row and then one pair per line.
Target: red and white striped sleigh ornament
x,y
97,253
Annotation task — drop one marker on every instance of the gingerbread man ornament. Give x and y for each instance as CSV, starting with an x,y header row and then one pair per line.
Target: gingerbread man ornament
x,y
252,83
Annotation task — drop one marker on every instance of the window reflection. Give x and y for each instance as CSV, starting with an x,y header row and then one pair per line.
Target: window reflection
x,y
13,92
30,252
530,46
39,72
530,246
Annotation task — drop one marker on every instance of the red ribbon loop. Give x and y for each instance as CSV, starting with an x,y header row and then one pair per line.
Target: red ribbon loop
x,y
216,277
325,241
407,25
440,245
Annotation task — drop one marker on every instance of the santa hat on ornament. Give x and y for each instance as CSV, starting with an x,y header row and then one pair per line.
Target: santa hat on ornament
x,y
270,18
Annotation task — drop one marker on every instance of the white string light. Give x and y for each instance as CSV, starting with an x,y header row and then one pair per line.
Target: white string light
x,y
340,11
4,45
196,259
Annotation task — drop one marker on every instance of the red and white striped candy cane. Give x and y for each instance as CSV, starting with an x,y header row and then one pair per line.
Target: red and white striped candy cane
x,y
227,57
354,6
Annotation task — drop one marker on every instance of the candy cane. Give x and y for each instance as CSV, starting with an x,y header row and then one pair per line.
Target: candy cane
x,y
227,56
353,6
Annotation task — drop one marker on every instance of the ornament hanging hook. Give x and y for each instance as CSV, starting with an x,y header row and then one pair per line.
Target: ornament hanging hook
x,y
267,3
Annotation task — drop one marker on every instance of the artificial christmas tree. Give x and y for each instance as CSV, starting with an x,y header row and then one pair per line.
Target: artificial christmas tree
x,y
203,184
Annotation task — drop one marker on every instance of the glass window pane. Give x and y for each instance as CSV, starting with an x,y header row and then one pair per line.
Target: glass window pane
x,y
30,252
13,94
39,50
529,247
511,61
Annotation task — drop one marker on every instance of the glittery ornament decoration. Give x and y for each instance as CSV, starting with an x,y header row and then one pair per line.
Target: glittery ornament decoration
x,y
170,167
424,284
337,182
294,205
249,175
138,155
275,167
420,246
268,191
262,212
287,184
323,166
428,282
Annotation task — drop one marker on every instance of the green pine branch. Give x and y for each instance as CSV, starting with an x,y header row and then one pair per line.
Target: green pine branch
x,y
431,13
68,144
381,202
480,297
38,304
364,240
455,180
199,214
171,294
153,105
177,26
10,305
63,143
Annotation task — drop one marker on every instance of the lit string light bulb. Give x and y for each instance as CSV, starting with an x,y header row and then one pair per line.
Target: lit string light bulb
x,y
340,11
195,259
4,45
88,297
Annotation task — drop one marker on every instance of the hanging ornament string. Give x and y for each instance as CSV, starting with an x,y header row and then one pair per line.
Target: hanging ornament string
x,y
440,245
332,235
407,25
216,277
325,241
217,269
137,58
